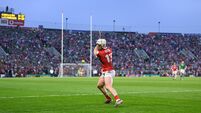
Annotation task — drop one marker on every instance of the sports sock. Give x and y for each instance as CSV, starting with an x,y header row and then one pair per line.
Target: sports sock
x,y
116,97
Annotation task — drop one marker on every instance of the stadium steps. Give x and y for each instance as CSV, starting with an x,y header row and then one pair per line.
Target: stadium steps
x,y
141,54
2,52
52,51
188,54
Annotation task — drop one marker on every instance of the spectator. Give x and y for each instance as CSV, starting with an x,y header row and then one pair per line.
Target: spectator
x,y
27,50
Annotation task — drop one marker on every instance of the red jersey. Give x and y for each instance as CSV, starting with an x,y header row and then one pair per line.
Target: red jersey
x,y
174,68
105,57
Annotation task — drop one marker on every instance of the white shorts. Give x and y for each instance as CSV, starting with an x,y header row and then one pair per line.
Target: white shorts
x,y
174,72
108,74
182,71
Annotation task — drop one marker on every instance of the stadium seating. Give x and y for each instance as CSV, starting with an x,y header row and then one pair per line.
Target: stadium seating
x,y
35,51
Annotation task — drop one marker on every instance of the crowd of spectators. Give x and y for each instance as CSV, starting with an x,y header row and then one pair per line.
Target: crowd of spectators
x,y
27,53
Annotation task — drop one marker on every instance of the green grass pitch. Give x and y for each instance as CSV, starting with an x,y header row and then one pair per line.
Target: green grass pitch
x,y
80,95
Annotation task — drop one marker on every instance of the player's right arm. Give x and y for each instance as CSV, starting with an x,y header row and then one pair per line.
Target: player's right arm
x,y
96,50
185,67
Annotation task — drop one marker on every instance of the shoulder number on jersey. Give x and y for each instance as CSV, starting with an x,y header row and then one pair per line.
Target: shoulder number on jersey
x,y
109,57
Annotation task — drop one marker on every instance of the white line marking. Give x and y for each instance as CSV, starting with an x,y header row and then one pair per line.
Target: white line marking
x,y
182,91
68,95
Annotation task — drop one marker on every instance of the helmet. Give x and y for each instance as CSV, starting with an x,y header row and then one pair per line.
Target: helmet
x,y
101,42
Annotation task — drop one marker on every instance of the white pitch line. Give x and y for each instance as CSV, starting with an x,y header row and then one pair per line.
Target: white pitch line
x,y
163,91
141,92
39,96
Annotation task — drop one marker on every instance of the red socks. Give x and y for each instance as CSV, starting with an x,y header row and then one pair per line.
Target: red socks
x,y
116,97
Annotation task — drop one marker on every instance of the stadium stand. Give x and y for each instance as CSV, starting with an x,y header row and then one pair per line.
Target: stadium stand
x,y
26,51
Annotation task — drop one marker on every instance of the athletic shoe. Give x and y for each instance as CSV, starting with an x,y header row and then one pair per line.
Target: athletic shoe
x,y
108,101
118,102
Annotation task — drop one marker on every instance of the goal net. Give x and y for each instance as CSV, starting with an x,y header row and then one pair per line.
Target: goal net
x,y
74,70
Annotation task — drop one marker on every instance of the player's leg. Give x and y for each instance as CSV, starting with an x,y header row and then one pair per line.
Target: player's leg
x,y
175,75
108,84
101,87
182,72
181,76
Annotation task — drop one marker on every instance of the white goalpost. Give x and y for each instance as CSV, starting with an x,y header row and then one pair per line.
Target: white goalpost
x,y
91,45
62,34
75,69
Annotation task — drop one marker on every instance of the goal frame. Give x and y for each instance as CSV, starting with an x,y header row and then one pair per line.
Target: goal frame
x,y
62,47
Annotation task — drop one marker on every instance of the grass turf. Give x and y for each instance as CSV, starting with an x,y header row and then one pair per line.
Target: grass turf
x,y
80,95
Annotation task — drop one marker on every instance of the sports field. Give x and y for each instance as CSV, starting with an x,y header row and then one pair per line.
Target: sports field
x,y
80,95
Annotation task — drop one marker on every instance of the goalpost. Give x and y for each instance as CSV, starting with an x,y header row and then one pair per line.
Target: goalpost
x,y
75,69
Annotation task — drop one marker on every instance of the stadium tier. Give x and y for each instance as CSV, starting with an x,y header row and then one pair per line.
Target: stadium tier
x,y
25,51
